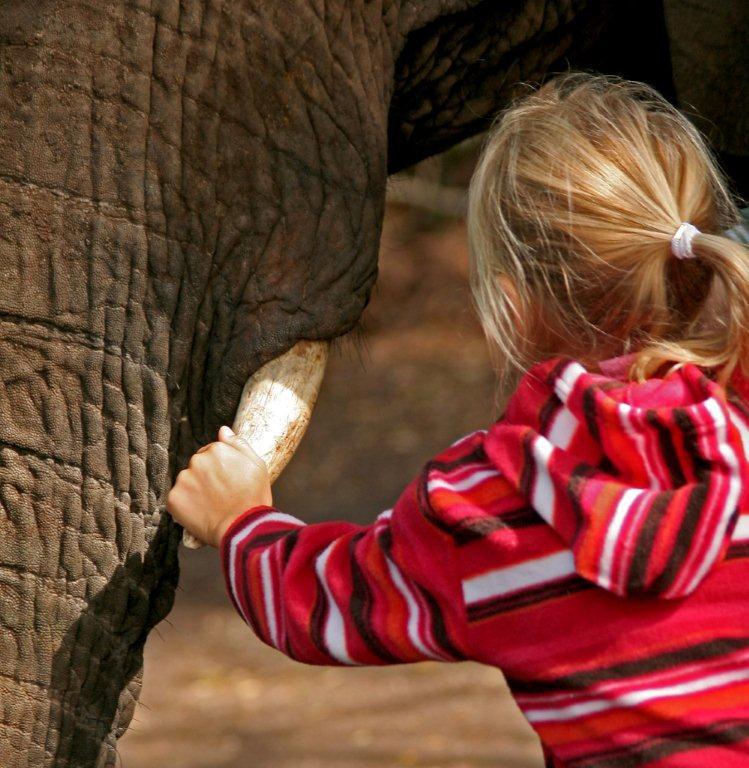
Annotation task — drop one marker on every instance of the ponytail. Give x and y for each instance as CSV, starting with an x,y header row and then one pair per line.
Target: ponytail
x,y
719,336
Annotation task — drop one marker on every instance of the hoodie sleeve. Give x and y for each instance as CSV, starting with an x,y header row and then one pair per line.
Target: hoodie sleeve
x,y
337,593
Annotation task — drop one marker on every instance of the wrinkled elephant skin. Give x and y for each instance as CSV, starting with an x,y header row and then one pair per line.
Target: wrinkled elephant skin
x,y
187,189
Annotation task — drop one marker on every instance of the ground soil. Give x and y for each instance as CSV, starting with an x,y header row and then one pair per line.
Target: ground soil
x,y
411,380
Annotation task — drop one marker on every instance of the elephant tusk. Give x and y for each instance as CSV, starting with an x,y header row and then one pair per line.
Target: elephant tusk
x,y
276,406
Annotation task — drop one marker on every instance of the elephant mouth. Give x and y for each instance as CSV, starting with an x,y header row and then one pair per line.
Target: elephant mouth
x,y
276,406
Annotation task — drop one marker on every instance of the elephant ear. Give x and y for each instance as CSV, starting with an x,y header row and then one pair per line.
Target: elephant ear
x,y
708,53
456,69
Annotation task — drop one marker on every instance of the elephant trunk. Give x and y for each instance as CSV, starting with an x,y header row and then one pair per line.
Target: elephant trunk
x,y
87,566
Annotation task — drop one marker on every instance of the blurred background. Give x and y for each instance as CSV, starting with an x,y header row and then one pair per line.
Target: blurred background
x,y
411,379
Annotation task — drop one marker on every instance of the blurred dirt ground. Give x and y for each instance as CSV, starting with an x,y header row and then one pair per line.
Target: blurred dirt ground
x,y
411,380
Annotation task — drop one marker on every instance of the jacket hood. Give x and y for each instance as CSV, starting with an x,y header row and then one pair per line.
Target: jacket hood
x,y
643,481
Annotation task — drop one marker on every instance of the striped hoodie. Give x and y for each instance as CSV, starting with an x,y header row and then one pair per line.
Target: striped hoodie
x,y
593,544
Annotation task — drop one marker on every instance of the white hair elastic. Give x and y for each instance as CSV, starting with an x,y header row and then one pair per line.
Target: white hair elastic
x,y
681,242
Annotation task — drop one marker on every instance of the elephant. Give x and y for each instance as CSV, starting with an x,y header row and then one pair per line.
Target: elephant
x,y
188,189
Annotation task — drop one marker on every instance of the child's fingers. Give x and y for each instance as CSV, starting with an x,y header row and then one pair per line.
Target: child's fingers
x,y
177,501
223,433
227,435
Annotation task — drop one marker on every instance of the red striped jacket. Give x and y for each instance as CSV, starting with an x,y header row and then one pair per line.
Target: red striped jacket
x,y
593,544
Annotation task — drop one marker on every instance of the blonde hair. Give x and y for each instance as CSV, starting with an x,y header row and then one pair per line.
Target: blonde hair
x,y
579,189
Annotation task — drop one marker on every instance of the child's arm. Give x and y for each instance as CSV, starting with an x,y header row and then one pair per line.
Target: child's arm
x,y
328,593
339,593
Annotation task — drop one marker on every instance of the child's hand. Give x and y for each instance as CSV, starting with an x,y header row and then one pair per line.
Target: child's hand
x,y
221,481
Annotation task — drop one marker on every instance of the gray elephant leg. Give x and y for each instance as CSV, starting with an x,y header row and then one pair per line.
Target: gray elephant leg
x,y
86,568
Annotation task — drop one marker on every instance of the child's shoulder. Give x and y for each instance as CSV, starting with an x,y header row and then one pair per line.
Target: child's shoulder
x,y
464,470
465,493
466,448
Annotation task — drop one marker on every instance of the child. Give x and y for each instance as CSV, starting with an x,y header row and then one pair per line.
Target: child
x,y
593,543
